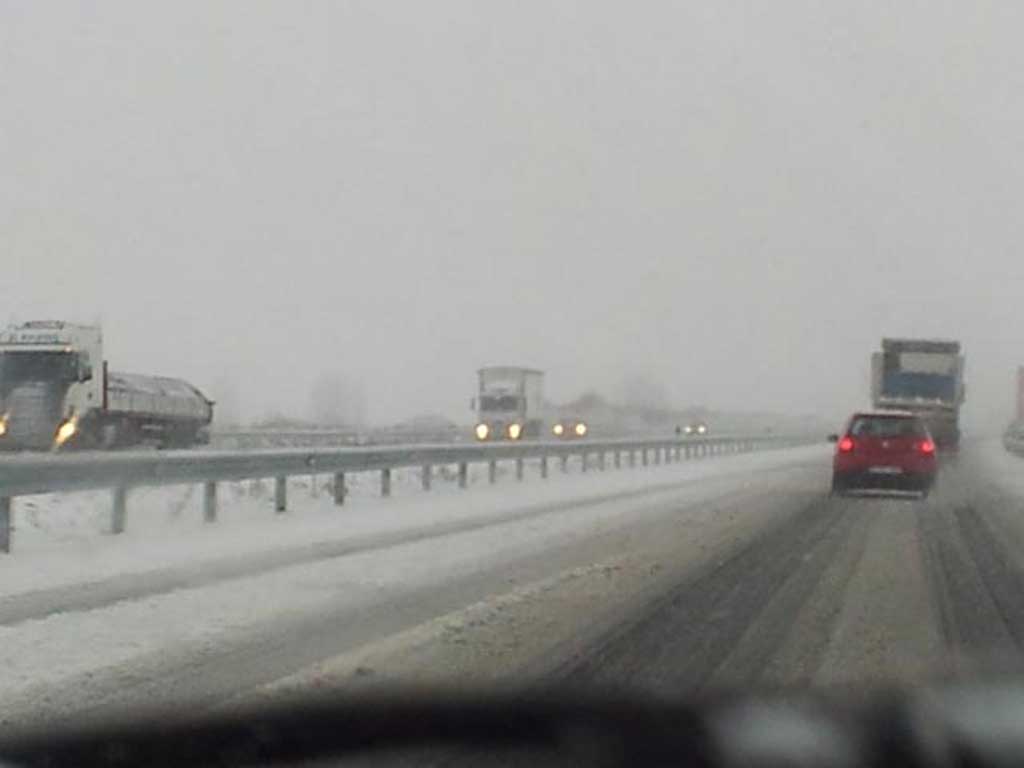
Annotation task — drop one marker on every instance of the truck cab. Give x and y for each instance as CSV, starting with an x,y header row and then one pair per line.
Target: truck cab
x,y
508,403
50,380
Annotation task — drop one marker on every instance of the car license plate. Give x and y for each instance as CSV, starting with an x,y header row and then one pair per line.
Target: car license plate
x,y
886,470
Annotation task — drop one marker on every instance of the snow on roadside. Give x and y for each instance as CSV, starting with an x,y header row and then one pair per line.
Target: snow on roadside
x,y
59,539
73,660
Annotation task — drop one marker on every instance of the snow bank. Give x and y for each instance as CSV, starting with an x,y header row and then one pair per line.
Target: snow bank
x,y
60,539
167,644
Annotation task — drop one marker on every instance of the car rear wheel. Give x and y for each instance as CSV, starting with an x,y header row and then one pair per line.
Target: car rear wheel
x,y
839,486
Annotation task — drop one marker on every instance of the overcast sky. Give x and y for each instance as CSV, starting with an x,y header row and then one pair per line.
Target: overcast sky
x,y
739,199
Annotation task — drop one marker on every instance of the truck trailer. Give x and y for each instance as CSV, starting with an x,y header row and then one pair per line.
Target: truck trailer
x,y
56,393
925,376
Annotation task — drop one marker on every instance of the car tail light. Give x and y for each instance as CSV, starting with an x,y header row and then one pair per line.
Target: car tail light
x,y
846,445
927,447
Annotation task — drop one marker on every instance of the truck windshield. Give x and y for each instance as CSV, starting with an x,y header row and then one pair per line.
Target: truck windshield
x,y
20,367
499,403
927,386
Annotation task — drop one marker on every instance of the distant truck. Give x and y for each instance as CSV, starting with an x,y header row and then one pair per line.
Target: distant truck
x,y
925,377
509,404
57,393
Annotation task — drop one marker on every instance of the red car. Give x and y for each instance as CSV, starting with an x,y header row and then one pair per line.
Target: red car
x,y
887,450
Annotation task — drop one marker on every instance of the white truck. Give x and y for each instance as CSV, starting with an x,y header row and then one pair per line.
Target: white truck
x,y
509,404
925,376
56,393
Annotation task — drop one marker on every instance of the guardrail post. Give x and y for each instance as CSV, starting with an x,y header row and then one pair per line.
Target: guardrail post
x,y
519,469
120,509
5,524
600,460
210,502
657,454
339,488
643,456
617,459
492,471
632,457
463,475
583,461
385,482
544,467
565,462
280,494
425,476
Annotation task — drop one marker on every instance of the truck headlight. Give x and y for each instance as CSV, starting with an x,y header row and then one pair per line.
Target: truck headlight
x,y
3,425
482,431
581,429
702,430
558,430
515,431
66,431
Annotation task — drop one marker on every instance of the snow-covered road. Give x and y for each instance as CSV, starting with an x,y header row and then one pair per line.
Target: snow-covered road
x,y
176,613
736,570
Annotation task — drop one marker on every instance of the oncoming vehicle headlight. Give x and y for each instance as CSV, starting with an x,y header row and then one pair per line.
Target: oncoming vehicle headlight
x,y
3,425
558,430
66,431
581,429
515,431
688,430
482,431
702,429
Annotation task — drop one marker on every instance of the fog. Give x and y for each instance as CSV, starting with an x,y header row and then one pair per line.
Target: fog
x,y
735,199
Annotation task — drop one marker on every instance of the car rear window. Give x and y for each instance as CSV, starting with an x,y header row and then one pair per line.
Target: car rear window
x,y
886,426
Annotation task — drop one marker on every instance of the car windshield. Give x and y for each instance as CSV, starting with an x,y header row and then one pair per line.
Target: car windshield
x,y
881,426
452,344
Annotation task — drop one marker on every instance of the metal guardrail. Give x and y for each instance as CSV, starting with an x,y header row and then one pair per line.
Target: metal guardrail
x,y
24,475
1014,443
249,439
